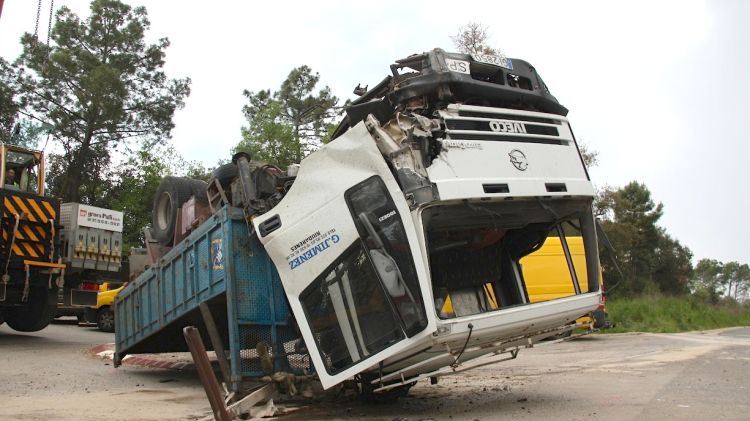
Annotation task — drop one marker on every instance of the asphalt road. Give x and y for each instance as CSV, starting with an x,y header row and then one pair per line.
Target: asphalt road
x,y
49,375
695,375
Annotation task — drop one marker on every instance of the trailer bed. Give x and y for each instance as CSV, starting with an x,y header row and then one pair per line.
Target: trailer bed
x,y
221,265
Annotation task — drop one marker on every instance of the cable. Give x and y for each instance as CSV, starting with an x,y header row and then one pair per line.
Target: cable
x,y
49,26
38,13
455,362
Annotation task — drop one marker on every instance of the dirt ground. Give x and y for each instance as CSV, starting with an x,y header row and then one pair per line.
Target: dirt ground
x,y
696,375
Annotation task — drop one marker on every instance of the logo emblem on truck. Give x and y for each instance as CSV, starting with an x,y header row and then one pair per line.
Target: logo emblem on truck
x,y
507,126
518,159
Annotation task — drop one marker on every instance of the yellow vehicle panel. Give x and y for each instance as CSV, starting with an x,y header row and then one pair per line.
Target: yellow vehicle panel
x,y
106,298
546,270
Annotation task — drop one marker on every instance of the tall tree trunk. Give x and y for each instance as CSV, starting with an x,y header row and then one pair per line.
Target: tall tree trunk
x,y
74,174
297,142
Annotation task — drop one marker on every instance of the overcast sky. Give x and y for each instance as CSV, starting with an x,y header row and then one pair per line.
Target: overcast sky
x,y
658,88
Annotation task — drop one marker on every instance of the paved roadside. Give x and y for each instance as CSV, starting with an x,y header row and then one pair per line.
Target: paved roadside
x,y
52,374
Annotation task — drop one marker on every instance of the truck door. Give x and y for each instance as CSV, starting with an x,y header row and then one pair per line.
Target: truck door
x,y
349,259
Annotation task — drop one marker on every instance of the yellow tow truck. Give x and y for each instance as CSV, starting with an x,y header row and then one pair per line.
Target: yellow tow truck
x,y
30,267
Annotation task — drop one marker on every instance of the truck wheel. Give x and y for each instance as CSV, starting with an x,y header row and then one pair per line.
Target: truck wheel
x,y
33,316
200,188
226,174
105,320
172,193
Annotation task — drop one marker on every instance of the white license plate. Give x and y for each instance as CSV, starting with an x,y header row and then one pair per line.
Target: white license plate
x,y
501,61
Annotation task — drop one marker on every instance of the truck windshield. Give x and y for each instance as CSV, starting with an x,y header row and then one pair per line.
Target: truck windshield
x,y
475,250
21,171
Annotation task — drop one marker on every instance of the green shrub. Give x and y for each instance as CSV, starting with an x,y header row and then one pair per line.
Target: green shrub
x,y
655,313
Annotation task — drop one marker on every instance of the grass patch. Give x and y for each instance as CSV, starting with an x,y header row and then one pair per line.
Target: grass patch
x,y
673,314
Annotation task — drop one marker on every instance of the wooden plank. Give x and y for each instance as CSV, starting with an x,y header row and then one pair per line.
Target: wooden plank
x,y
206,374
218,344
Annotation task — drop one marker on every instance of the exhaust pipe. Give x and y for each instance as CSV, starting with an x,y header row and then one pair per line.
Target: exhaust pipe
x,y
242,161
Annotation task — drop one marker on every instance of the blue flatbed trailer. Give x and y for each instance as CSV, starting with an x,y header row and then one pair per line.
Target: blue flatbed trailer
x,y
221,265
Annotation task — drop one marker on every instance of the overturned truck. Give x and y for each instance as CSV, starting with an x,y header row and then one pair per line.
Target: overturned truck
x,y
439,180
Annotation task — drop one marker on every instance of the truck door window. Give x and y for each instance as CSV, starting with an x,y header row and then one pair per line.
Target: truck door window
x,y
348,311
383,235
370,297
23,165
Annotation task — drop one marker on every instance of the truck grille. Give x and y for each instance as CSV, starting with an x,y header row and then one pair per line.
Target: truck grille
x,y
463,122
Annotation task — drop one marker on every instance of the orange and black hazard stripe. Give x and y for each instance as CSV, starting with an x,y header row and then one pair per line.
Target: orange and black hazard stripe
x,y
36,229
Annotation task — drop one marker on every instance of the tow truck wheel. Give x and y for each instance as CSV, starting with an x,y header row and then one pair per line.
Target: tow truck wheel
x,y
105,320
33,316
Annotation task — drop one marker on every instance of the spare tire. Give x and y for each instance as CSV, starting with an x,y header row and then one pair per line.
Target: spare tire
x,y
200,189
226,174
172,193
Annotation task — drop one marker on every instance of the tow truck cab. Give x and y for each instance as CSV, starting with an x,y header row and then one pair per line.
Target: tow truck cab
x,y
436,187
28,247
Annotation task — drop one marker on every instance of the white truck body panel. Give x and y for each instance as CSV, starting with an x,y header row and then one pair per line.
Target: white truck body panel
x,y
473,158
314,214
74,215
318,228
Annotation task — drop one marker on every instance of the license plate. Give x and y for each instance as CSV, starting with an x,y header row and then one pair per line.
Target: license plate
x,y
501,61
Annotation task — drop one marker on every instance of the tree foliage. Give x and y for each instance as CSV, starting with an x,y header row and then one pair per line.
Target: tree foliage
x,y
590,156
473,38
735,280
286,125
673,265
8,105
28,134
133,191
650,259
715,280
706,279
135,182
99,86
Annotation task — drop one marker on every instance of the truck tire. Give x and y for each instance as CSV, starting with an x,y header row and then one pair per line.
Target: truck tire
x,y
226,174
172,193
105,319
200,189
33,316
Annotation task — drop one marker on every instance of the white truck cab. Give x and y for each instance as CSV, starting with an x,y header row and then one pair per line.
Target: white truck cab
x,y
436,186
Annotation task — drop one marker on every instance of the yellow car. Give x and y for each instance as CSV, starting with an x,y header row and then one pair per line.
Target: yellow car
x,y
102,313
